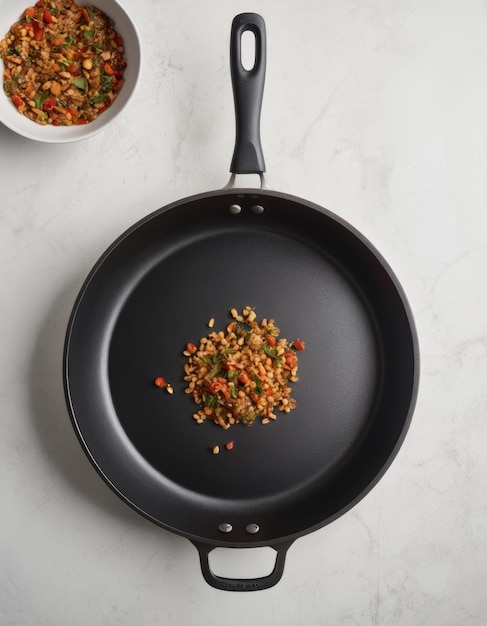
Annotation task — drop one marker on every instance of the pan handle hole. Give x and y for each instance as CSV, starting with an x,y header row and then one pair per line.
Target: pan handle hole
x,y
248,50
242,562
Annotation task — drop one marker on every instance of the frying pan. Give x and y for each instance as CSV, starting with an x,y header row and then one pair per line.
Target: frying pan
x,y
155,289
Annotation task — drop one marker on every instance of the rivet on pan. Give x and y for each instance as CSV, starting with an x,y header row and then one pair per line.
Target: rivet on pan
x,y
252,529
235,209
257,209
225,528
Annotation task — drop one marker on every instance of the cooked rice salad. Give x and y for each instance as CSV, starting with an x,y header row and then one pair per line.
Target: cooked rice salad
x,y
243,372
63,63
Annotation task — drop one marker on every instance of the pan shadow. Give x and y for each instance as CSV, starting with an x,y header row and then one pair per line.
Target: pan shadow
x,y
51,422
50,415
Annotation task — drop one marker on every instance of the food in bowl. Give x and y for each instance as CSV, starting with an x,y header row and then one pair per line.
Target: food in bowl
x,y
64,63
243,372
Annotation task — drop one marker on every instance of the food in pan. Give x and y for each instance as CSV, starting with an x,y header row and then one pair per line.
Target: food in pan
x,y
64,63
163,384
243,372
228,446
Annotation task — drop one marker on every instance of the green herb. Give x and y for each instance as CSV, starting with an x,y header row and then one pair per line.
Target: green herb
x,y
210,400
233,391
248,418
40,98
216,370
81,83
9,86
101,98
106,83
258,386
13,52
232,374
270,350
88,34
96,48
67,42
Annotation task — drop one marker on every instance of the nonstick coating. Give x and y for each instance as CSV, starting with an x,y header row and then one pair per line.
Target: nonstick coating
x,y
156,288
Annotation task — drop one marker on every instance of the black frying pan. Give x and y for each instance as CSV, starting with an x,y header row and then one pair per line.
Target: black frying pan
x,y
155,289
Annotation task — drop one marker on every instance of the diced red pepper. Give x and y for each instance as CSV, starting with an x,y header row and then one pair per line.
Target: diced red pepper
x,y
85,14
38,31
271,340
49,104
30,12
48,17
220,384
244,378
290,358
255,398
299,344
41,4
108,69
17,100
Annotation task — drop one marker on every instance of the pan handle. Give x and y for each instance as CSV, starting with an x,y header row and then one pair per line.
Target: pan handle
x,y
248,90
242,584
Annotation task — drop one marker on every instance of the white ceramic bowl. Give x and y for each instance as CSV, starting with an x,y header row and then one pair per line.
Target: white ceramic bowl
x,y
10,12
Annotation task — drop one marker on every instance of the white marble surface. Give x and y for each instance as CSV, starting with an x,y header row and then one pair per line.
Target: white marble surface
x,y
375,109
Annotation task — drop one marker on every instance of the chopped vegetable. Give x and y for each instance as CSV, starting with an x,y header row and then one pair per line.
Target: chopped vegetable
x,y
17,101
81,83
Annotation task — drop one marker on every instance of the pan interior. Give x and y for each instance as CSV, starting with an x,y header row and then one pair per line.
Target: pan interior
x,y
309,298
155,291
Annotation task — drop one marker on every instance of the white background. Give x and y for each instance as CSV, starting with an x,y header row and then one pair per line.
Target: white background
x,y
375,109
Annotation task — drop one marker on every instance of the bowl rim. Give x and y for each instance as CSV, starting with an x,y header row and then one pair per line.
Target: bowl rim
x,y
24,127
